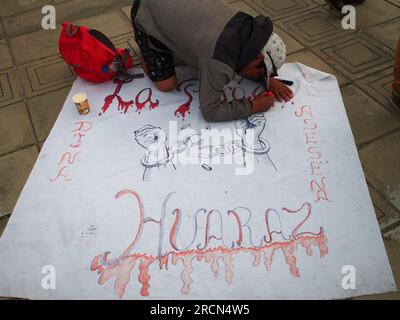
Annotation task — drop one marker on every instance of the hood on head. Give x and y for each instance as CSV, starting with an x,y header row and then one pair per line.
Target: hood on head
x,y
242,40
261,30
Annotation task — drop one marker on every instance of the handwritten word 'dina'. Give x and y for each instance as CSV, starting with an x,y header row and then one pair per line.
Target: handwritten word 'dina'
x,y
70,156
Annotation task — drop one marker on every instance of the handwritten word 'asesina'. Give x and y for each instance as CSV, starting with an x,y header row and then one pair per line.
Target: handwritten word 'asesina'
x,y
70,156
316,161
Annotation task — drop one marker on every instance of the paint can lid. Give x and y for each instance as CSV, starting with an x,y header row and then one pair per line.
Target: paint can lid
x,y
79,97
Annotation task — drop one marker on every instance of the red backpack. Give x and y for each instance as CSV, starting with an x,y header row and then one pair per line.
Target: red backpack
x,y
92,55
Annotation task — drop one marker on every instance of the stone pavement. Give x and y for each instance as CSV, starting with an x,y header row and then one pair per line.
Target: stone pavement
x,y
34,82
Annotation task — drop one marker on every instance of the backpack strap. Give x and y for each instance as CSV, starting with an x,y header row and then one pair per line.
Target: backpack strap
x,y
71,32
120,62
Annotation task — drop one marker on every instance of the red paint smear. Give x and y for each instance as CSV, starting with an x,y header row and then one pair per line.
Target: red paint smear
x,y
144,276
185,108
123,269
152,104
122,105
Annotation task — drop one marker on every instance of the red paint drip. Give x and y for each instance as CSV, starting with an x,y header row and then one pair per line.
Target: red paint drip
x,y
152,104
122,270
144,276
185,108
122,105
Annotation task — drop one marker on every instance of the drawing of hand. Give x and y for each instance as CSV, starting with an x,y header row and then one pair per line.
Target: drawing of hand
x,y
250,130
154,140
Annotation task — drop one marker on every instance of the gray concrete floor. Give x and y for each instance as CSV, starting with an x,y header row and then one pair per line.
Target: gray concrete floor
x,y
34,82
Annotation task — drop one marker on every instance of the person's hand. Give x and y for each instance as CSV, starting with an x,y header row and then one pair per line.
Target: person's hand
x,y
151,138
280,90
154,140
262,103
250,130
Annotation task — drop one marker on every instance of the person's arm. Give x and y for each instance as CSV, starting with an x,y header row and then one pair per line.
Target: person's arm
x,y
214,75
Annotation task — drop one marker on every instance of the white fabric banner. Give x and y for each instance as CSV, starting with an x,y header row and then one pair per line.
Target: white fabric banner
x,y
143,199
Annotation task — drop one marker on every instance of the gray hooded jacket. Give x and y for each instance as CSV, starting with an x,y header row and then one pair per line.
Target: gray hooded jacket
x,y
212,37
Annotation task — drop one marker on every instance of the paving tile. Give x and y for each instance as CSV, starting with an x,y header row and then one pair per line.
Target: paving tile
x,y
393,233
111,24
14,171
3,225
310,59
10,87
42,44
5,55
388,216
278,9
380,161
292,45
1,31
127,12
12,7
40,145
73,8
374,12
128,41
357,57
34,46
315,27
242,6
394,2
379,213
15,128
387,32
45,75
368,119
25,22
393,251
44,110
379,87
